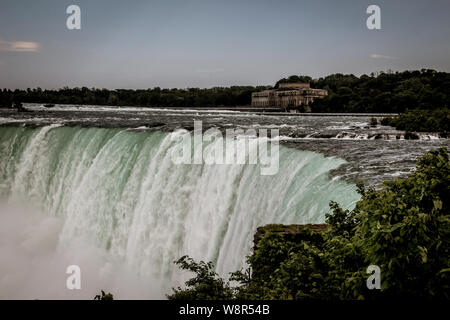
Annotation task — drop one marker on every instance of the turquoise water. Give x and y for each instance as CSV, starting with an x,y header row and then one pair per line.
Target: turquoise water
x,y
120,191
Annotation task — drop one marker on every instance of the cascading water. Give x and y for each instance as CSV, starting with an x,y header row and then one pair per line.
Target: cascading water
x,y
120,192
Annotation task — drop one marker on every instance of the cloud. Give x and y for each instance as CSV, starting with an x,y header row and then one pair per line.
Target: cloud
x,y
19,46
380,56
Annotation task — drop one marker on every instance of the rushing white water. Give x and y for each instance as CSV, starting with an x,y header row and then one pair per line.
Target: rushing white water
x,y
126,211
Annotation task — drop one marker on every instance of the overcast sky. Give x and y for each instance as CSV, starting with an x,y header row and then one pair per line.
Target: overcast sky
x,y
204,43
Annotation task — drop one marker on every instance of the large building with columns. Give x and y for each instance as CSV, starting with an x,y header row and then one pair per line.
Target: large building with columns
x,y
293,97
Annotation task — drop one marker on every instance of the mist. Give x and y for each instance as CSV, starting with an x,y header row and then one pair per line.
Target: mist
x,y
34,264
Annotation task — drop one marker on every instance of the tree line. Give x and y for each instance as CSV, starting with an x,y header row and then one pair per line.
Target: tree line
x,y
385,92
154,97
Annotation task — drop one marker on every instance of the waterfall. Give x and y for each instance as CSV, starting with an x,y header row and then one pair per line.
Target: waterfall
x,y
120,192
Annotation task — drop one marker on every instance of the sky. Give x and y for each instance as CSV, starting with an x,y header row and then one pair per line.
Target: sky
x,y
205,43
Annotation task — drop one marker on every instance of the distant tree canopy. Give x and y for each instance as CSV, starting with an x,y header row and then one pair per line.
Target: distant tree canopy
x,y
386,92
294,79
383,92
156,97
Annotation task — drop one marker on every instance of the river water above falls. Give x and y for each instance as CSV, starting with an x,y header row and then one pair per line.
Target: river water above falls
x,y
97,187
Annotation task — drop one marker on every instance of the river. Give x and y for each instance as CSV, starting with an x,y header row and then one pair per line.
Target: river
x,y
97,187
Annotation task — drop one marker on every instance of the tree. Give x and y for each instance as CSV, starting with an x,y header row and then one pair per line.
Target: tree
x,y
206,285
104,296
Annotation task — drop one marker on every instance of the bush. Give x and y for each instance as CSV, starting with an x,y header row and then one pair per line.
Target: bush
x,y
206,285
404,228
373,122
104,296
421,121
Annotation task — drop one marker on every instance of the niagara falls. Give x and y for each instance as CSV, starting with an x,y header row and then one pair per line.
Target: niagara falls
x,y
214,159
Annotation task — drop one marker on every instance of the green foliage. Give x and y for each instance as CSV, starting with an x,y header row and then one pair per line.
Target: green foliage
x,y
104,296
421,121
387,92
156,97
403,227
206,285
294,79
272,265
343,222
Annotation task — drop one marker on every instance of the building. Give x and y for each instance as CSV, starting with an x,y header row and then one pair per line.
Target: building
x,y
292,97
